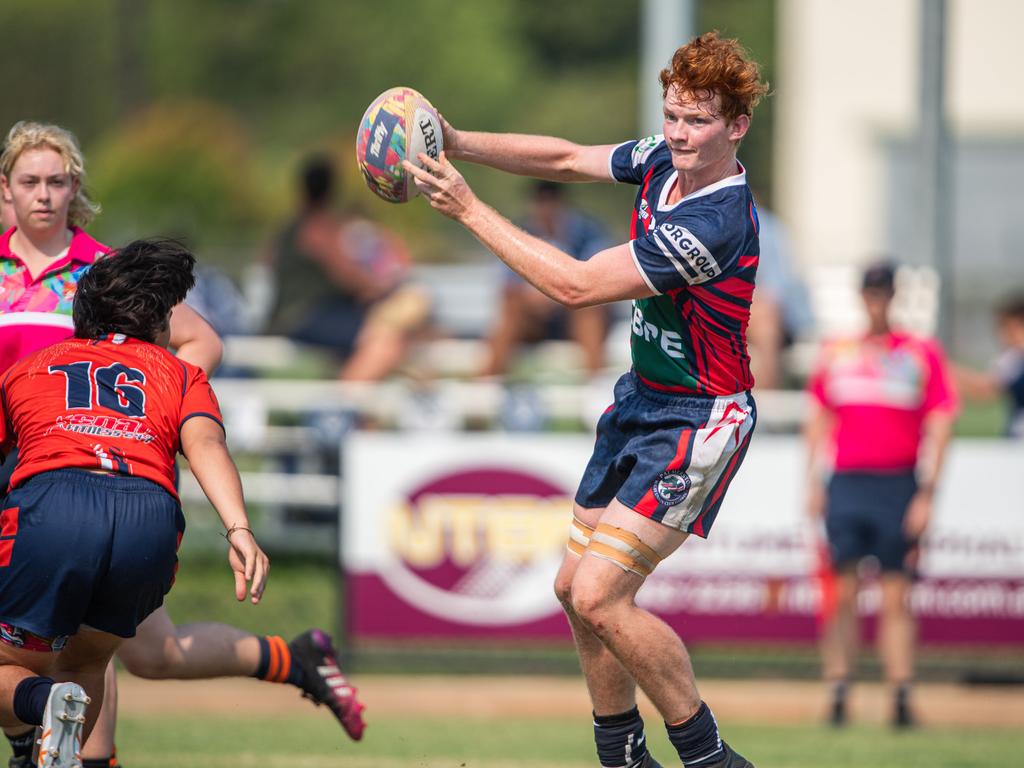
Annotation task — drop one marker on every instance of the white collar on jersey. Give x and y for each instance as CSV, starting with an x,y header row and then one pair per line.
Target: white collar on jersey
x,y
737,180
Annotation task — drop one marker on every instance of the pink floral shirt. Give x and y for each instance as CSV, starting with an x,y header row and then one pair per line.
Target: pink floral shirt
x,y
35,313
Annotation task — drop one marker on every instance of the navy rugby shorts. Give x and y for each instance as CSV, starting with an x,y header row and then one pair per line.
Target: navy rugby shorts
x,y
864,518
668,456
85,549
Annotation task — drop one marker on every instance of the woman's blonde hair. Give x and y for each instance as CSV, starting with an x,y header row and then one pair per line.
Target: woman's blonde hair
x,y
25,135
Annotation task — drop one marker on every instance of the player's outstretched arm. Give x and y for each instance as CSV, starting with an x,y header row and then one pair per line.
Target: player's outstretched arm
x,y
543,157
202,442
194,339
977,385
609,275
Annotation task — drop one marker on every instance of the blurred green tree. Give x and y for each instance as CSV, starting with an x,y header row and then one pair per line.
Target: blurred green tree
x,y
291,76
180,170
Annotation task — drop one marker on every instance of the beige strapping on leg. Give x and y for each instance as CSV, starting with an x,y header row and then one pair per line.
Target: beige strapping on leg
x,y
623,548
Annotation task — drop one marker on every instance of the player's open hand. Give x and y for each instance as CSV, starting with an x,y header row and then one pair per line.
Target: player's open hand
x,y
250,564
442,185
919,513
815,501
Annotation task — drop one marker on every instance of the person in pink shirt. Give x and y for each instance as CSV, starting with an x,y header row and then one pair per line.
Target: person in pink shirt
x,y
882,412
43,254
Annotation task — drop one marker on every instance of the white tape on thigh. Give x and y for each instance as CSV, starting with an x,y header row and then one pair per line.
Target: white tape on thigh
x,y
579,536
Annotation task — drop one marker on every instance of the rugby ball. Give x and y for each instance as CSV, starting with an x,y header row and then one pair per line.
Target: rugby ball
x,y
398,125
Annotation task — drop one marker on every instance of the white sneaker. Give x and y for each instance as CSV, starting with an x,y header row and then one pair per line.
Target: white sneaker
x,y
63,718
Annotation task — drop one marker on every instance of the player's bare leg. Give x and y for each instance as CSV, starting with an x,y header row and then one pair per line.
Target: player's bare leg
x,y
85,660
612,689
603,597
839,644
82,661
100,745
618,727
896,637
162,651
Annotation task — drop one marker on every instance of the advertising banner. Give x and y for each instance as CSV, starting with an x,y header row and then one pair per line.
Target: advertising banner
x,y
459,536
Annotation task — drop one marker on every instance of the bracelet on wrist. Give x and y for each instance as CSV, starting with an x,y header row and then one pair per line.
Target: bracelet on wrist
x,y
233,528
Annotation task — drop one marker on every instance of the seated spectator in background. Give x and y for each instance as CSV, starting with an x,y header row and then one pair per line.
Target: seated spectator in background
x,y
528,316
781,311
1006,378
342,282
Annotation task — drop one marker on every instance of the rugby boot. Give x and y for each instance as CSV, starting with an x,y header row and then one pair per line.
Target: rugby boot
x,y
323,682
60,745
903,715
650,762
22,761
730,759
837,712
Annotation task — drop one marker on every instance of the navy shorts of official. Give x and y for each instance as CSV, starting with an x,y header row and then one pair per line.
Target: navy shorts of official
x,y
668,456
89,550
864,518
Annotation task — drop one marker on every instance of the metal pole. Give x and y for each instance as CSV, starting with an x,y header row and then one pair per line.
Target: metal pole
x,y
664,26
936,166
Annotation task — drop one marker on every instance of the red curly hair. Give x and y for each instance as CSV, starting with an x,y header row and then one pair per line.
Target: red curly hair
x,y
709,65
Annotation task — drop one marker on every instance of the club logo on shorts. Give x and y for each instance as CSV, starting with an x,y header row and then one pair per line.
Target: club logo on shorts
x,y
672,487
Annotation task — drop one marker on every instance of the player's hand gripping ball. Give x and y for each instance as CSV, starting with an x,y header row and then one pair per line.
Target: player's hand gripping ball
x,y
398,125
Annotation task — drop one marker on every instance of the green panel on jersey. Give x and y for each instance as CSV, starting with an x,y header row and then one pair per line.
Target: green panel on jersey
x,y
656,343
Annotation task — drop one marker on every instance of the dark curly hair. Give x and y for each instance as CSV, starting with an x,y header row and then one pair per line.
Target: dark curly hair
x,y
133,290
709,65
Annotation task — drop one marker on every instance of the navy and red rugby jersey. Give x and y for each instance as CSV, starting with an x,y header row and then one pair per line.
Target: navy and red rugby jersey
x,y
114,404
699,256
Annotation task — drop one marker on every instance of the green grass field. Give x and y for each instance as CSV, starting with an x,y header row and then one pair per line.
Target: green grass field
x,y
296,742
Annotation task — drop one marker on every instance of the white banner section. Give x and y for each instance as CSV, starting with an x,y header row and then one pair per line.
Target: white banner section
x,y
451,531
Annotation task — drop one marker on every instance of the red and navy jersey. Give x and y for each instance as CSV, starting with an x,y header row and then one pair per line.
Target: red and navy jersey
x,y
699,255
114,404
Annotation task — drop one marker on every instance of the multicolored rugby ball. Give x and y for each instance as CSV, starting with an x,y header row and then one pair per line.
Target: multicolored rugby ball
x,y
398,125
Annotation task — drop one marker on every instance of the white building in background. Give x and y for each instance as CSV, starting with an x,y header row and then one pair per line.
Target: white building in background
x,y
848,111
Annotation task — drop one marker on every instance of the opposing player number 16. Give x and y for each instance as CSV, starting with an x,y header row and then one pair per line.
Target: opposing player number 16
x,y
113,385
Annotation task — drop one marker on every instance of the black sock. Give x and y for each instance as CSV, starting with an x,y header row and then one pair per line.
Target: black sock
x,y
839,689
276,664
30,699
901,700
902,694
21,745
264,663
620,739
98,762
696,739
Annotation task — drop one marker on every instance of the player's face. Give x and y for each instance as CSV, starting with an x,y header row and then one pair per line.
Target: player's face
x,y
876,304
39,190
696,133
